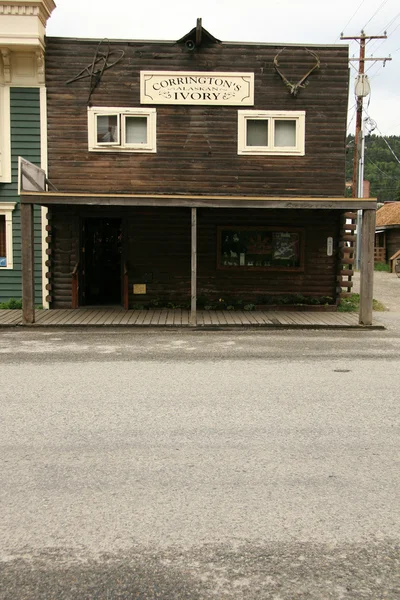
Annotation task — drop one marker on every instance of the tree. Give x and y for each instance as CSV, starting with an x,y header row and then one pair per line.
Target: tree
x,y
381,168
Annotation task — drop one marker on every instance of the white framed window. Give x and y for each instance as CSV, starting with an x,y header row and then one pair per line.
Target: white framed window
x,y
263,132
122,129
5,135
6,237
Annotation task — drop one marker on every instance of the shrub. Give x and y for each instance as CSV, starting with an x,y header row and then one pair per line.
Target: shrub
x,y
11,304
352,304
379,266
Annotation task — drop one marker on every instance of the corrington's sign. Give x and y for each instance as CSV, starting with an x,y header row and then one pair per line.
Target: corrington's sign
x,y
177,87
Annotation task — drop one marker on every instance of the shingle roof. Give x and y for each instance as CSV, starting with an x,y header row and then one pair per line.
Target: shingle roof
x,y
388,214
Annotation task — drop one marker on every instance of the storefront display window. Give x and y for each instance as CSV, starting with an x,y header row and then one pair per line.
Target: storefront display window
x,y
260,248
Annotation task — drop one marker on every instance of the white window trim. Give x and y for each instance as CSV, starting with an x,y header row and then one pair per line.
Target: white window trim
x,y
121,113
5,135
271,116
6,209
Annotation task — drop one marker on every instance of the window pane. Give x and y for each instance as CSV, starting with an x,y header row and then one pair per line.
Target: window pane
x,y
259,248
286,249
3,260
136,130
257,132
285,133
107,129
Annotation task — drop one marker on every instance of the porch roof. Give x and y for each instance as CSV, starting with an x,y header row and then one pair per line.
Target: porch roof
x,y
198,201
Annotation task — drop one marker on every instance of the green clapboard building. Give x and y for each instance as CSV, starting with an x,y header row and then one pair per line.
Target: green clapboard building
x,y
23,132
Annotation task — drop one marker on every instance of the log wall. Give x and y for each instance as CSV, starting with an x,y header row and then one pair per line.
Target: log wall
x,y
157,249
197,145
392,241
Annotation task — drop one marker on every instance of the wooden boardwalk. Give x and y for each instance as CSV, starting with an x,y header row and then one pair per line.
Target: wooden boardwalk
x,y
118,317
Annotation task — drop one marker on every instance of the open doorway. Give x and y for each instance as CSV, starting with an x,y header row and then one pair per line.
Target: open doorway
x,y
101,257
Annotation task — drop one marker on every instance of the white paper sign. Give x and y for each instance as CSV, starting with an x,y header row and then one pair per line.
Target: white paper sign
x,y
181,87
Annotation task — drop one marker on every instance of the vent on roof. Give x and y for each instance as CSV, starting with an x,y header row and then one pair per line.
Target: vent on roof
x,y
198,37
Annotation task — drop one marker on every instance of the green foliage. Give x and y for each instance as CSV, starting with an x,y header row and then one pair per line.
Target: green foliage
x,y
382,267
249,307
11,304
381,168
352,304
295,299
234,303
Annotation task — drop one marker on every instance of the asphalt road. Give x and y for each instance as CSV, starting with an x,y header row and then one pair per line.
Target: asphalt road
x,y
199,465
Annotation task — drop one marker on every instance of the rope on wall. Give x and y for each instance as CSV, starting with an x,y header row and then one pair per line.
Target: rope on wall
x,y
102,60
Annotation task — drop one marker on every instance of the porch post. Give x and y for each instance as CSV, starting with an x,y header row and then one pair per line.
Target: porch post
x,y
28,252
367,266
193,313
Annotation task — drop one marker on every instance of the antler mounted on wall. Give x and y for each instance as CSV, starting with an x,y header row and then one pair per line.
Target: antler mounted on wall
x,y
294,88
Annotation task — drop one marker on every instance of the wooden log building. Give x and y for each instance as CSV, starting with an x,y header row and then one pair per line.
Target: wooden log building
x,y
387,234
196,169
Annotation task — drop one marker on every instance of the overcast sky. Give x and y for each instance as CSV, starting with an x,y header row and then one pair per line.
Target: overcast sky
x,y
268,21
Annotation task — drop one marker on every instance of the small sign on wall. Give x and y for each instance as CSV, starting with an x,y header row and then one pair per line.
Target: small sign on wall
x,y
329,246
139,288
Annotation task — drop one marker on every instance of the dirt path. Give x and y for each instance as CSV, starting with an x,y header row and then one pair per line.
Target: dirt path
x,y
386,289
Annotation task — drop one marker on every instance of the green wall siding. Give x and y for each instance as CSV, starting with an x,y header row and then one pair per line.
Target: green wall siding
x,y
25,142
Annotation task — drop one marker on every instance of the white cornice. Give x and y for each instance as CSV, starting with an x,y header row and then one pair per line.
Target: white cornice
x,y
28,8
23,23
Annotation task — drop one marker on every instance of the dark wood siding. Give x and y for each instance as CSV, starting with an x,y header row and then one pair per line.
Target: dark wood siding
x,y
156,249
317,279
64,254
392,241
197,145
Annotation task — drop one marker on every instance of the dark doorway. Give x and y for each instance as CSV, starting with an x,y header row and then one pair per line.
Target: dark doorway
x,y
102,248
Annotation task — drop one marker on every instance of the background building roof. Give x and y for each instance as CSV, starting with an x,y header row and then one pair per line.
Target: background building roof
x,y
388,214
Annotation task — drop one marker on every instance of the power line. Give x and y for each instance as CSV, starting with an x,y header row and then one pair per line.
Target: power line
x,y
351,18
383,172
376,12
385,30
391,33
392,21
352,118
371,67
383,137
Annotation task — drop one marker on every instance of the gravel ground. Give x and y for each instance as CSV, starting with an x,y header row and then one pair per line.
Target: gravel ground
x,y
386,289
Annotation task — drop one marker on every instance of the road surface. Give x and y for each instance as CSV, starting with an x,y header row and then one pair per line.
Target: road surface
x,y
199,465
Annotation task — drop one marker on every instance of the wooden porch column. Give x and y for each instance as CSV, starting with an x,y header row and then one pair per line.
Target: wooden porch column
x,y
367,266
28,252
193,307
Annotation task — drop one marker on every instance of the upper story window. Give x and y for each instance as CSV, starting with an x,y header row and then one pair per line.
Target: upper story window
x,y
122,129
271,132
6,239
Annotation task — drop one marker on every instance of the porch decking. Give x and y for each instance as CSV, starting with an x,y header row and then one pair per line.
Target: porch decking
x,y
117,317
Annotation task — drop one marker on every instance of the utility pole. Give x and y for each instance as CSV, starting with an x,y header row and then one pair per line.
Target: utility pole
x,y
362,89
